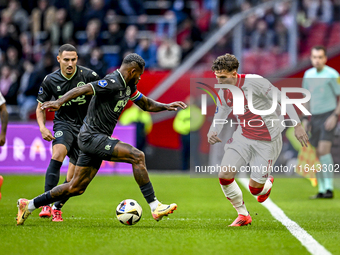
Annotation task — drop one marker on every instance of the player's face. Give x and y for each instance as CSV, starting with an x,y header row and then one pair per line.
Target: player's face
x,y
225,77
318,58
136,74
68,61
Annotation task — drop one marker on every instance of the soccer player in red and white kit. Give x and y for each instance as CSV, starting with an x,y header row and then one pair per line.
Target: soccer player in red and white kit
x,y
253,143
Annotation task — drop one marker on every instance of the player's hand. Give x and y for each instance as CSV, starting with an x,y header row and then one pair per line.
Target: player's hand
x,y
331,122
212,138
46,134
301,135
2,139
173,106
52,106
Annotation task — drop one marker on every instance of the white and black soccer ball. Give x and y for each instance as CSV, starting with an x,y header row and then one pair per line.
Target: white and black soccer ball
x,y
129,212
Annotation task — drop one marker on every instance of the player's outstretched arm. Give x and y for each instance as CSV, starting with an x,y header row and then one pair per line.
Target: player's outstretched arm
x,y
53,106
150,105
4,122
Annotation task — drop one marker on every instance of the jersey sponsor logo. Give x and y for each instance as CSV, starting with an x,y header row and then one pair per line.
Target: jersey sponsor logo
x,y
41,90
230,141
120,93
108,147
58,88
80,84
102,83
128,91
94,73
58,134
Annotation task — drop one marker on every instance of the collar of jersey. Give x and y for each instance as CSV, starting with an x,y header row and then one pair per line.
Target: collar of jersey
x,y
71,76
122,77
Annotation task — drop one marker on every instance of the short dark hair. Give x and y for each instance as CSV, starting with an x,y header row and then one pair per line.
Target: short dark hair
x,y
226,62
320,47
67,47
133,57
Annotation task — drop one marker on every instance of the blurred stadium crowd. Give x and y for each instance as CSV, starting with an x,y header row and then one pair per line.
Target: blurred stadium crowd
x,y
163,32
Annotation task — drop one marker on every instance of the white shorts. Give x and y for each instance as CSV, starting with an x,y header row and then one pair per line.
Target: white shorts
x,y
260,155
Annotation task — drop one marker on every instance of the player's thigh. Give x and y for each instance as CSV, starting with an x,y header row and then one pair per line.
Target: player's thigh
x,y
124,152
232,162
264,157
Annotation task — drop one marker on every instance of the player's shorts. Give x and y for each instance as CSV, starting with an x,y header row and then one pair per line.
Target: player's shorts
x,y
67,135
260,155
95,148
318,132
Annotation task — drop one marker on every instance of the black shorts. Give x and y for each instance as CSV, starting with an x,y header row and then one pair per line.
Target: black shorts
x,y
95,148
318,132
67,135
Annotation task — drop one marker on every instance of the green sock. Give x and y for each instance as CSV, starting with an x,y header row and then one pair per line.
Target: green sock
x,y
327,172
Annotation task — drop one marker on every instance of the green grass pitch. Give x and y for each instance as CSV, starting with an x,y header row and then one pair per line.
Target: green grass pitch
x,y
199,226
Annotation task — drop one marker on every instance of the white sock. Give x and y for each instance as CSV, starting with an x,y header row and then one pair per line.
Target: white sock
x,y
234,194
268,184
153,205
54,208
31,206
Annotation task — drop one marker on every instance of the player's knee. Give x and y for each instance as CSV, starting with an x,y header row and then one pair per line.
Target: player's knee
x,y
58,156
138,156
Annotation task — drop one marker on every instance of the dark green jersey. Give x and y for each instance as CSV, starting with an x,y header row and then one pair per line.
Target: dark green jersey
x,y
110,97
56,85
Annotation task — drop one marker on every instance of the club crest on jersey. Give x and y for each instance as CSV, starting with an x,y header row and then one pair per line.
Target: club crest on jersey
x,y
58,134
102,83
41,90
80,84
128,91
108,147
58,88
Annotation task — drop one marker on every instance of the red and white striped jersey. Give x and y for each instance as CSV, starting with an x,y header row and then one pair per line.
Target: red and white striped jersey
x,y
252,126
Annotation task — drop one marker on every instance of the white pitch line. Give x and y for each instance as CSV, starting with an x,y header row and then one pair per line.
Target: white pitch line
x,y
305,239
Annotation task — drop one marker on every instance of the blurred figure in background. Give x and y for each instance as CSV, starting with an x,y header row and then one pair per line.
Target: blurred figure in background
x,y
61,30
169,54
188,123
27,100
148,51
129,42
262,37
116,34
42,17
143,122
77,13
323,83
8,84
93,37
96,62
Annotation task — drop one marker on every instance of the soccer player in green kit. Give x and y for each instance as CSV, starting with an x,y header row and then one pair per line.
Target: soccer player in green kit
x,y
324,84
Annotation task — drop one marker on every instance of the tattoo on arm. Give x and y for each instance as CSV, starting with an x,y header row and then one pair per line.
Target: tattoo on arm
x,y
150,105
73,93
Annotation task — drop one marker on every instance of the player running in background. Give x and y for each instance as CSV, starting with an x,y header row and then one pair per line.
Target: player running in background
x,y
324,84
67,121
4,122
110,97
259,146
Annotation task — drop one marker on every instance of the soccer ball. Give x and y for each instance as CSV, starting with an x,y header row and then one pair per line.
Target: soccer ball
x,y
129,212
